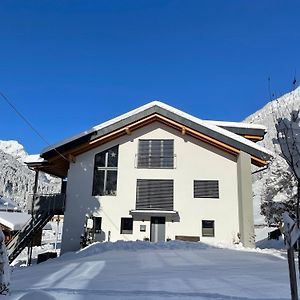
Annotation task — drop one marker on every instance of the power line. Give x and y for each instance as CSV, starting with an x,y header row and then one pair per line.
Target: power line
x,y
7,100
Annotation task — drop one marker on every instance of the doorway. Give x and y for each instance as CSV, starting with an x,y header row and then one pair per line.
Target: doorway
x,y
158,229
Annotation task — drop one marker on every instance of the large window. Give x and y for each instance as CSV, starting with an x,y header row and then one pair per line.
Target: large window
x,y
208,228
206,189
126,225
106,172
154,194
156,154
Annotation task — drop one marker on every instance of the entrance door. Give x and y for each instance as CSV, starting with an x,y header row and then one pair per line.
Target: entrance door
x,y
158,229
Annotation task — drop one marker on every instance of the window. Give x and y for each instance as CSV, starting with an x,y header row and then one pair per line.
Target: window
x,y
206,189
154,194
126,225
106,172
208,228
156,154
97,224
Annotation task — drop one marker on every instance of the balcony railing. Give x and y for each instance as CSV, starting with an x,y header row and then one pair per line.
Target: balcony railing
x,y
155,161
53,203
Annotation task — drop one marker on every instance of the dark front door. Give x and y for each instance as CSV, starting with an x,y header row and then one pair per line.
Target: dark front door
x,y
158,229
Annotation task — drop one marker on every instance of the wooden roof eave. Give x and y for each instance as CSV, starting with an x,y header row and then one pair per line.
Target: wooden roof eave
x,y
60,166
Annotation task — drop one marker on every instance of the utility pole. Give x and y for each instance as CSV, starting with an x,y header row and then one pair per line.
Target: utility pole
x,y
36,181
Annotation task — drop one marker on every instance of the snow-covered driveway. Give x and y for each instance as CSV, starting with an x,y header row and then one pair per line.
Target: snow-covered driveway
x,y
140,270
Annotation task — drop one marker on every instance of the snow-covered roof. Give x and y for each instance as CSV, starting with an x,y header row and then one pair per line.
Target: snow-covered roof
x,y
210,125
237,125
104,124
7,204
33,158
14,220
230,139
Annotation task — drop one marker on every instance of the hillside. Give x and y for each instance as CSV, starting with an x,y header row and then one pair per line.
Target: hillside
x,y
16,180
274,187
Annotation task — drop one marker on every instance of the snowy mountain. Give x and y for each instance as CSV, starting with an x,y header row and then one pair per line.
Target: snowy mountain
x,y
14,149
275,187
16,180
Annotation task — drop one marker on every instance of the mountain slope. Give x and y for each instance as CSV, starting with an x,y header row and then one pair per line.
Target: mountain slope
x,y
275,187
16,180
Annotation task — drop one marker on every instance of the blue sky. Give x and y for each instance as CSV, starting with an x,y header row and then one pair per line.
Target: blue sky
x,y
69,65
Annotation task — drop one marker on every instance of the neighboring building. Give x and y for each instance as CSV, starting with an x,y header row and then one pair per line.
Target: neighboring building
x,y
8,205
12,222
158,173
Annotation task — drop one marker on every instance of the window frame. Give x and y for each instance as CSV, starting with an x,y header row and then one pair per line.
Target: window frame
x,y
147,158
107,170
213,228
97,221
126,231
149,195
207,196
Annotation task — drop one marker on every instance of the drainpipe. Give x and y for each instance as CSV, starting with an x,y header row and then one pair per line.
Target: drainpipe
x,y
35,187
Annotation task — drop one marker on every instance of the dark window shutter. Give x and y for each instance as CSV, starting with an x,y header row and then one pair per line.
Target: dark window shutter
x,y
156,154
206,189
154,194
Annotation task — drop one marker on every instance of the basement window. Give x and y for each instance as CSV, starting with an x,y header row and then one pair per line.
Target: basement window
x,y
97,224
126,225
106,172
208,228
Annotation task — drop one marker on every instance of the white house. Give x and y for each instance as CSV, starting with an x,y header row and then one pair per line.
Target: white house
x,y
158,173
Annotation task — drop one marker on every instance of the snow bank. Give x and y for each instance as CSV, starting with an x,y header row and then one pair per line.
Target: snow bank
x,y
155,271
98,247
37,295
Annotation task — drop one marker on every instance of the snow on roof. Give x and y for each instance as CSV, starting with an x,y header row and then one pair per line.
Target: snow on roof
x,y
34,158
208,124
238,125
102,125
14,220
7,204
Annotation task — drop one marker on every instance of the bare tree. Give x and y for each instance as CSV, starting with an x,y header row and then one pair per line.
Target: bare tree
x,y
288,137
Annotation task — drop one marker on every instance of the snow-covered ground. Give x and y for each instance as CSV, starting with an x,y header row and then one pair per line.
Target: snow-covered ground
x,y
143,270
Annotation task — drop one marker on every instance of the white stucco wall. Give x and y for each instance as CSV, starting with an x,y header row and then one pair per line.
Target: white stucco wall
x,y
195,160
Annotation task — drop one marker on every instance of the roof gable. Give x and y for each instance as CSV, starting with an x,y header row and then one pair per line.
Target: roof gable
x,y
208,132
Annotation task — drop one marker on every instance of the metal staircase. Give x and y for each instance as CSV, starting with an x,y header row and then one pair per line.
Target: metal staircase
x,y
44,208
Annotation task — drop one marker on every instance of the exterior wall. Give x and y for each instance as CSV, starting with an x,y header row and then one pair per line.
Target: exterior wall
x,y
194,160
245,200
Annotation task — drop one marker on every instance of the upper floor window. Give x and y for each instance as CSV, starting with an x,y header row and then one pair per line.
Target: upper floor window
x,y
206,189
106,172
156,154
